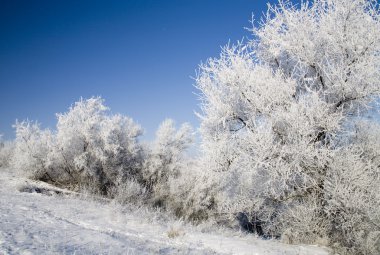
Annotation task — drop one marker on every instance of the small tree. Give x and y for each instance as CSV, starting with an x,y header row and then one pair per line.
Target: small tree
x,y
278,116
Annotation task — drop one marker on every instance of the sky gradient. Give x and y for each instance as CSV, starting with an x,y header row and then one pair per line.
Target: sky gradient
x,y
139,55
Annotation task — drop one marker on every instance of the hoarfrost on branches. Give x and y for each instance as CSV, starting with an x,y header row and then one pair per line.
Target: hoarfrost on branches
x,y
278,123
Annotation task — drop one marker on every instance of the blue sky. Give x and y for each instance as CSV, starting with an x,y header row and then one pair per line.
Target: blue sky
x,y
139,55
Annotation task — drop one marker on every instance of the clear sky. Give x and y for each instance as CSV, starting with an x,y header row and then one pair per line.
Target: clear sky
x,y
139,55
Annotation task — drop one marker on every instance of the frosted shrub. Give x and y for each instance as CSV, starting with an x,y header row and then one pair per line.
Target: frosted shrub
x,y
6,152
33,148
165,161
129,191
182,194
278,124
193,193
94,146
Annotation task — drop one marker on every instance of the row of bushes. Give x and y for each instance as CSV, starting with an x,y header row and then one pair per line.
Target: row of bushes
x,y
101,153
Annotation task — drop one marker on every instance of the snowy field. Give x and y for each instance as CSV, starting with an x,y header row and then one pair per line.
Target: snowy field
x,y
37,218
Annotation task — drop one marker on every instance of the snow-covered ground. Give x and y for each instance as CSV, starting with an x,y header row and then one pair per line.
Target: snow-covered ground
x,y
36,218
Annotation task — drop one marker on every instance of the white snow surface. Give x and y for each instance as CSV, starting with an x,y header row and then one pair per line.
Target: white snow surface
x,y
37,218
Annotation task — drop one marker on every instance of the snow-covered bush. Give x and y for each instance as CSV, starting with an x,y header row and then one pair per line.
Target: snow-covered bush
x,y
33,147
129,191
95,147
165,162
194,192
278,113
6,152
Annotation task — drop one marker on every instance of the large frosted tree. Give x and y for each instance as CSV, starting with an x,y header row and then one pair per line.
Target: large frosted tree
x,y
283,131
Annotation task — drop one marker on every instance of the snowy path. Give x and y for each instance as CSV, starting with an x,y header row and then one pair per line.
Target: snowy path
x,y
37,223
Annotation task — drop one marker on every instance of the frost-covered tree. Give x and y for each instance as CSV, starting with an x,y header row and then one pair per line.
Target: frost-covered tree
x,y
165,160
277,123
